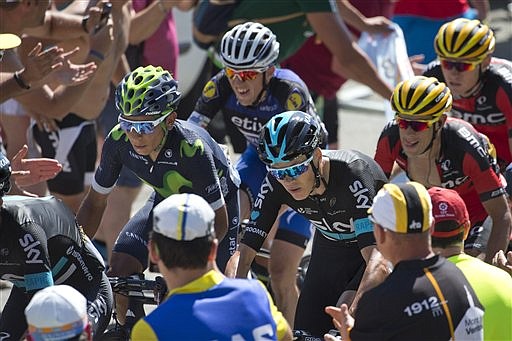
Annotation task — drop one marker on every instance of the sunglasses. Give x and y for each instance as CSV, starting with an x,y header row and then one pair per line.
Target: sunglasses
x,y
246,75
292,171
141,127
415,125
459,66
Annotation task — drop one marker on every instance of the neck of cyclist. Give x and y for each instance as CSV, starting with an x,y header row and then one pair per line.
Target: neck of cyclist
x,y
156,151
320,183
434,144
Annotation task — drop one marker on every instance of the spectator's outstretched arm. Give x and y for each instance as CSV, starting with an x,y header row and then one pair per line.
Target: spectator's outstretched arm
x,y
356,19
27,172
145,23
483,8
354,62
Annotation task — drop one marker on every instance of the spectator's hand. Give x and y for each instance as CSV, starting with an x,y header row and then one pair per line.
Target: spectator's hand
x,y
341,320
72,74
38,64
503,261
378,25
27,172
93,17
416,63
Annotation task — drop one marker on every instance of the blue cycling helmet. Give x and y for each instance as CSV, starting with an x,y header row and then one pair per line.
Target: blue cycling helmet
x,y
289,135
5,175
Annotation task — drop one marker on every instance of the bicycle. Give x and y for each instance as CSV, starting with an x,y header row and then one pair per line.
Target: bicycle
x,y
302,335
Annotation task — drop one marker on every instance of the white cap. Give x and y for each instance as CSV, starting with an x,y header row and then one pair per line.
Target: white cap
x,y
183,217
58,312
9,41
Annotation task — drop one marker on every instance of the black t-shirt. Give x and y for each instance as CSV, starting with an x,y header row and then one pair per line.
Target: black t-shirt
x,y
420,300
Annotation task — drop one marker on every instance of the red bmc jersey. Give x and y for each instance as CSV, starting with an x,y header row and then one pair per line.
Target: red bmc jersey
x,y
489,110
464,164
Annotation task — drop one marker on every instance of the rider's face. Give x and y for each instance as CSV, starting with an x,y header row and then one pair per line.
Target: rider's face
x,y
461,81
300,186
144,144
247,90
415,142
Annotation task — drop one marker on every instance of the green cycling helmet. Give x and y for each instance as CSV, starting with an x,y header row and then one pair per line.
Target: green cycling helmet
x,y
147,90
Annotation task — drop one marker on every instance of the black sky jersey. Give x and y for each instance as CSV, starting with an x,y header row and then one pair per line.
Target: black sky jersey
x,y
339,214
41,244
489,110
420,300
190,162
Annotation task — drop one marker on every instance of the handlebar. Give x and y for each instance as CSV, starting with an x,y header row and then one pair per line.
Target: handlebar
x,y
137,288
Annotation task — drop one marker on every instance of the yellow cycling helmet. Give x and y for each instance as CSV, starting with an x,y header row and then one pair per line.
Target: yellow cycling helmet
x,y
421,99
464,39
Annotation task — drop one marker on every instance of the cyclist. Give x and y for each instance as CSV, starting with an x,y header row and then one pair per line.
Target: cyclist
x,y
249,91
170,155
425,297
333,190
436,150
42,244
481,85
492,285
202,304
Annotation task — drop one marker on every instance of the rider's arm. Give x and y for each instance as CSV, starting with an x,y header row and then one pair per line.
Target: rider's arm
x,y
91,210
388,146
375,272
355,63
497,208
246,258
221,222
211,100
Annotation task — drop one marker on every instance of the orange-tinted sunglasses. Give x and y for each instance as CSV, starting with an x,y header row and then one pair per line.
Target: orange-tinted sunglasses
x,y
245,75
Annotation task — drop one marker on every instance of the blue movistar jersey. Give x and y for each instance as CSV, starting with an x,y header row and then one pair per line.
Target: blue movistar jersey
x,y
190,162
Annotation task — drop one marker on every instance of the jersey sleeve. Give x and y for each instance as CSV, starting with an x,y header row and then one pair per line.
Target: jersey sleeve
x,y
211,100
387,148
264,212
110,164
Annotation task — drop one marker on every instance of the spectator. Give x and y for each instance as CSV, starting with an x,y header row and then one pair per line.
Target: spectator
x,y
436,150
492,285
292,21
481,84
420,20
202,304
58,313
425,297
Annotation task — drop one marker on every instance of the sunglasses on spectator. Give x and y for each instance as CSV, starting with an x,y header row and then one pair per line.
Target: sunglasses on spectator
x,y
141,127
245,75
459,66
415,125
292,171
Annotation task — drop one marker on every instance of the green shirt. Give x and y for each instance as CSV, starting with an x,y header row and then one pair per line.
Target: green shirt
x,y
493,288
286,18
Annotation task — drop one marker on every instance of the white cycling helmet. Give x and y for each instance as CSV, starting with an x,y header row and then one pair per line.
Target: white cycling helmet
x,y
249,46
